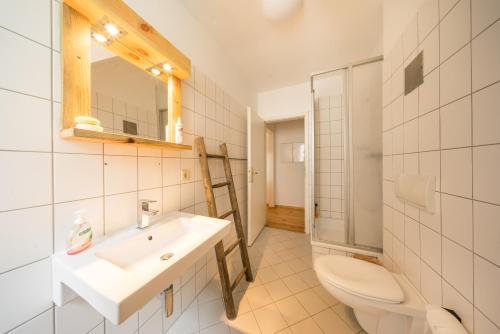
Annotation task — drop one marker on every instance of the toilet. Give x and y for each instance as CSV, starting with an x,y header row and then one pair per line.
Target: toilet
x,y
383,302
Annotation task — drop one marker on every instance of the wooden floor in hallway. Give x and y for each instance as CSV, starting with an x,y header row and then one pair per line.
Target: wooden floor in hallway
x,y
286,218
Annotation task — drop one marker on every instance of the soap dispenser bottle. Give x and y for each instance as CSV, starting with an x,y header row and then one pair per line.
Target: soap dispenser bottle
x,y
80,236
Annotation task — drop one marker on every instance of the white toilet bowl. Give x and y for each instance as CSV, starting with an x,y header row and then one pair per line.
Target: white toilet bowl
x,y
383,302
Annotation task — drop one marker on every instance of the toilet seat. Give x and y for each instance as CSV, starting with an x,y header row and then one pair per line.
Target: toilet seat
x,y
360,278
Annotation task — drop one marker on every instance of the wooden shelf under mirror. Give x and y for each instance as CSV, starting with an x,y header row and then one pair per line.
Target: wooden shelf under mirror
x,y
114,138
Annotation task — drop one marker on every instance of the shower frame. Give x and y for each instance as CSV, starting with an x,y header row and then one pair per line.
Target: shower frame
x,y
349,245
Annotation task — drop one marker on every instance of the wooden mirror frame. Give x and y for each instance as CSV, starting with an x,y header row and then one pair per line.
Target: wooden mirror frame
x,y
138,43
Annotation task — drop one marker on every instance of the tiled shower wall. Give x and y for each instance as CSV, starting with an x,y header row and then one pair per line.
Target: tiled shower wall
x,y
450,128
44,179
329,155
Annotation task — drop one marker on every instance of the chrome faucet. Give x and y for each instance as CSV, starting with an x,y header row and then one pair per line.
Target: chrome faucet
x,y
146,213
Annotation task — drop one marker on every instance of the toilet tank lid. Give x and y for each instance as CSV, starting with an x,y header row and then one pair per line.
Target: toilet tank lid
x,y
441,321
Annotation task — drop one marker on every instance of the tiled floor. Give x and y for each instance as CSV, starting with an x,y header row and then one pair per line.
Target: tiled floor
x,y
286,297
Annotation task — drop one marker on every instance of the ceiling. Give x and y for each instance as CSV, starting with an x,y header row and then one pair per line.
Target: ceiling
x,y
324,34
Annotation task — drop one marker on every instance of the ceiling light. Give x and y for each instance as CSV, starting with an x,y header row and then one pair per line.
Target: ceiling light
x,y
112,29
100,37
278,10
155,71
167,67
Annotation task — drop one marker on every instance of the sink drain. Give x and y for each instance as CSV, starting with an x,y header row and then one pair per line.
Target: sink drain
x,y
166,256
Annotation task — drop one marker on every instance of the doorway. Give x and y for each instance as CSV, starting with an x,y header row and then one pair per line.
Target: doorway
x,y
285,175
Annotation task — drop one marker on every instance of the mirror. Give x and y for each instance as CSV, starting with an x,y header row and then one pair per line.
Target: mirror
x,y
126,99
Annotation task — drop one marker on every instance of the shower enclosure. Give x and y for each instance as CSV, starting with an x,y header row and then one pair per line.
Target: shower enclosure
x,y
346,134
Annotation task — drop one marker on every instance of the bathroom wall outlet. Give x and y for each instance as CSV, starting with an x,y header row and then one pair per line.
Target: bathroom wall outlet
x,y
185,175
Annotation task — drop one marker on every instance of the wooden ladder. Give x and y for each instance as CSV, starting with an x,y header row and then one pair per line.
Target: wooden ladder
x,y
220,252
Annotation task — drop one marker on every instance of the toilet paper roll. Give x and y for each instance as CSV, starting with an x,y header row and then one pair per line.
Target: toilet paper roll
x,y
417,190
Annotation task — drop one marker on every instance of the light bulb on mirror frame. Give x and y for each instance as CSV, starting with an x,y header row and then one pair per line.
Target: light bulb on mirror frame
x,y
112,29
99,37
155,71
167,67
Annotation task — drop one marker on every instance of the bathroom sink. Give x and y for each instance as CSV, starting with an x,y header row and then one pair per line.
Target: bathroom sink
x,y
122,272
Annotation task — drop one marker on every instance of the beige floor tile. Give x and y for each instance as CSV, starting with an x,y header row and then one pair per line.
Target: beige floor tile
x,y
211,291
307,326
295,283
285,331
283,269
311,301
291,310
348,316
220,328
325,295
331,323
244,324
309,276
269,319
267,274
258,297
211,313
278,290
241,303
298,265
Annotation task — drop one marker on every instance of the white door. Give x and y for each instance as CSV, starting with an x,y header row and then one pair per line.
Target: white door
x,y
256,168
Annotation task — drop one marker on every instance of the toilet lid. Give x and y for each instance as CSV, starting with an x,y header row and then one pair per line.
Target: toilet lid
x,y
360,278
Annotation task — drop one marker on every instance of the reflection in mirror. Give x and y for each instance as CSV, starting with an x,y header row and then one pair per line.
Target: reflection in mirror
x,y
126,99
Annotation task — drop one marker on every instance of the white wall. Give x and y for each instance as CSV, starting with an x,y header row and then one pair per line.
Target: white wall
x,y
284,103
397,14
449,128
289,176
44,179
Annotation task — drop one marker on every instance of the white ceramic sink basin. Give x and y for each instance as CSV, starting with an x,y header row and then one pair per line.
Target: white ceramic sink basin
x,y
121,273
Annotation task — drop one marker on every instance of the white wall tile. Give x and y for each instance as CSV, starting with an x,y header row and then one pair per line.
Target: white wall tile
x,y
148,310
430,165
486,176
411,105
486,118
26,236
412,235
455,29
76,317
452,299
428,131
171,198
26,67
428,97
42,324
458,267
29,289
484,13
487,231
445,6
410,39
120,211
456,172
431,285
397,83
428,18
456,125
487,289
129,326
64,216
77,176
22,185
483,324
457,219
430,47
411,130
485,55
412,267
171,171
433,220
431,248
120,174
455,80
28,18
16,108
149,173
153,325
